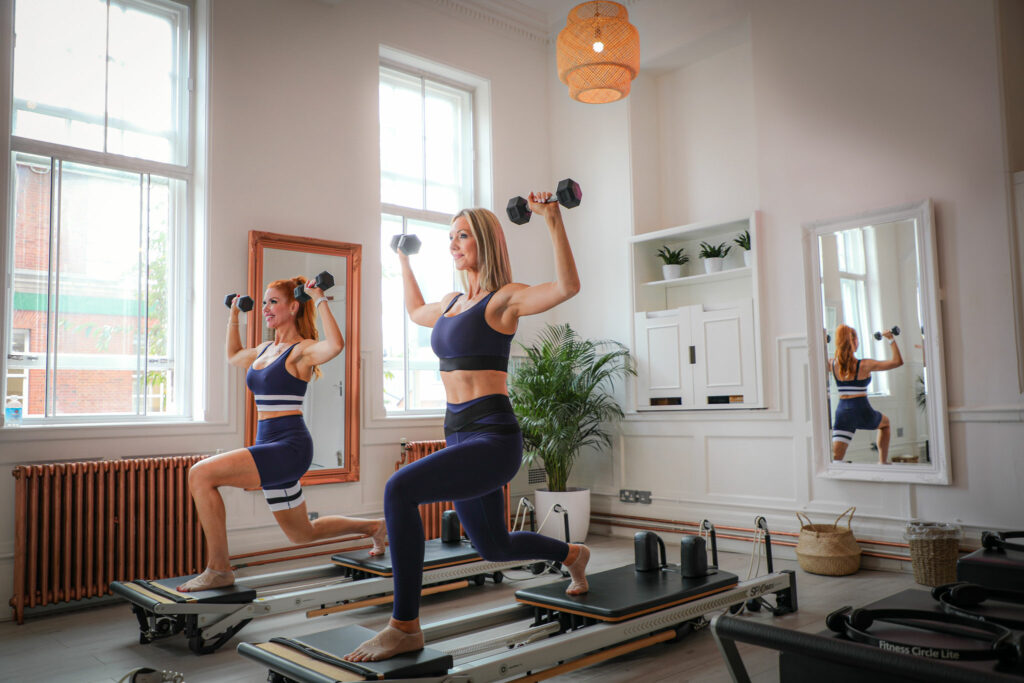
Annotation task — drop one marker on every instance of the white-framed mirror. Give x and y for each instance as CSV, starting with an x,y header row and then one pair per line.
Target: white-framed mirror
x,y
873,272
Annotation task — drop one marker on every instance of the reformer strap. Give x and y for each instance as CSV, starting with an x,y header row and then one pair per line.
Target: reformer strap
x,y
854,624
499,363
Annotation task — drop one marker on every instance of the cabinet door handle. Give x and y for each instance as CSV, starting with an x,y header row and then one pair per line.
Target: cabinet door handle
x,y
693,355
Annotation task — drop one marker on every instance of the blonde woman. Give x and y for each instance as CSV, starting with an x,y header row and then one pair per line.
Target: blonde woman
x,y
472,335
278,373
852,376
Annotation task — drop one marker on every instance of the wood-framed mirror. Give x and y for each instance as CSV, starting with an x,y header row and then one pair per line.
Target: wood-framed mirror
x,y
872,272
273,257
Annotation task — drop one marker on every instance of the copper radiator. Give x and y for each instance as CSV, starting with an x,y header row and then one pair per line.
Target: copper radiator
x,y
431,512
81,525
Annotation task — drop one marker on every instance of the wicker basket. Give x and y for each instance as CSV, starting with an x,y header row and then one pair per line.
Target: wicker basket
x,y
827,548
934,549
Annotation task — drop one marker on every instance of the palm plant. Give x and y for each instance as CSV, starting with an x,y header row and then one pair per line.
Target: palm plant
x,y
743,240
562,396
673,257
714,251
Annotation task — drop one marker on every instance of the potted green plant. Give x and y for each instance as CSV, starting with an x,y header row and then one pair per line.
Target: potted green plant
x,y
672,262
743,240
561,393
713,255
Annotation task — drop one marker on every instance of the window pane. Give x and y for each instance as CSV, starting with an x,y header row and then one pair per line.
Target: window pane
x,y
401,139
435,275
96,362
393,319
59,71
851,252
144,83
162,298
31,247
444,113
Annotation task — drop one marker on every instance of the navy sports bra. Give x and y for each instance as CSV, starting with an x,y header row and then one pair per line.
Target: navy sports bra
x,y
274,387
851,385
466,342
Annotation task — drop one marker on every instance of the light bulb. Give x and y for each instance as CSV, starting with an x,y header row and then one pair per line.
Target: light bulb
x,y
598,46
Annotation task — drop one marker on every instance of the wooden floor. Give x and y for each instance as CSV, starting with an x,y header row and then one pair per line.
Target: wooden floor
x,y
101,644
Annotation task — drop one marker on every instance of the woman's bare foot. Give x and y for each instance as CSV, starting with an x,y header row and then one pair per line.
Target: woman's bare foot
x,y
578,569
385,645
208,580
380,538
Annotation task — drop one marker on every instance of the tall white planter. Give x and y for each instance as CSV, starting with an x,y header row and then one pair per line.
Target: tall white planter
x,y
577,504
746,257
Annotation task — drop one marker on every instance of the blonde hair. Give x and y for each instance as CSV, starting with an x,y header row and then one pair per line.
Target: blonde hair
x,y
492,253
847,364
305,319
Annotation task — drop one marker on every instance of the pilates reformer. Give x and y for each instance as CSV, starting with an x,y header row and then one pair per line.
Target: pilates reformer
x,y
351,580
544,632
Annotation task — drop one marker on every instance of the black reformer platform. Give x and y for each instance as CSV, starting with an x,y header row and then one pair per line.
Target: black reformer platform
x,y
436,555
545,630
352,580
999,562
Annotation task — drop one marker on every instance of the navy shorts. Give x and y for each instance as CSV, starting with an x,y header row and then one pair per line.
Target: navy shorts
x,y
853,414
283,453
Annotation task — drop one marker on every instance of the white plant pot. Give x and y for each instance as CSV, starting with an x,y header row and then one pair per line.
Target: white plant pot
x,y
713,265
746,257
671,271
575,501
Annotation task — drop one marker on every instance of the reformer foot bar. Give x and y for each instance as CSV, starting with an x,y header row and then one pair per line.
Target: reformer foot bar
x,y
352,580
544,634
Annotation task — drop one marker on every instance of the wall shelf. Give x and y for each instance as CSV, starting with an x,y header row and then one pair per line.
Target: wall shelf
x,y
702,278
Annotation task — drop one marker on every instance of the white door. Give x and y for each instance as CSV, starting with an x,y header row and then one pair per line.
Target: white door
x,y
724,371
664,376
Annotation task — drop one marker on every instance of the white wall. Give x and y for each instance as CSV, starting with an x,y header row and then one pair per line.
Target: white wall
x,y
828,112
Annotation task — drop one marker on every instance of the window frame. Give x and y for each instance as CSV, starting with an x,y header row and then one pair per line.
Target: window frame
x,y
471,157
188,229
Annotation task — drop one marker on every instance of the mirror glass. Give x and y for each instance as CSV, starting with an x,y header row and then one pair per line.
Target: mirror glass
x,y
331,405
876,272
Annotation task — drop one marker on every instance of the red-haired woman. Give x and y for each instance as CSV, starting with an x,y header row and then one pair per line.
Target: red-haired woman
x,y
278,374
852,376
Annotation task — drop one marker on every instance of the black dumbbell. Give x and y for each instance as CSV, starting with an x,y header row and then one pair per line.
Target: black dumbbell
x,y
323,281
568,194
895,332
407,244
245,303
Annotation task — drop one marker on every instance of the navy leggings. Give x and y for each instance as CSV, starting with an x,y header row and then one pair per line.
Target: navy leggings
x,y
480,458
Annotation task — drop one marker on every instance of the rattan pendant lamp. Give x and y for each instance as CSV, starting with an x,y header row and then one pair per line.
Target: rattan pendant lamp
x,y
598,52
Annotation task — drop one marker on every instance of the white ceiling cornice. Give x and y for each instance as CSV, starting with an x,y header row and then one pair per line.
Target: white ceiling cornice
x,y
508,16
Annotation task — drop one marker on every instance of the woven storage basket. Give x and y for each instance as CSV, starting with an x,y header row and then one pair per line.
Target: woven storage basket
x,y
827,548
934,549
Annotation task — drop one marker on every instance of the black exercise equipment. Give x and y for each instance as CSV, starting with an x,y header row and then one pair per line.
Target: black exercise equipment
x,y
568,194
999,563
855,624
648,552
827,657
244,303
407,244
323,281
1004,607
895,332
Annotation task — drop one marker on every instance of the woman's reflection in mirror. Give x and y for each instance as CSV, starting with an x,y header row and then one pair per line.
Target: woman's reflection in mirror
x,y
852,376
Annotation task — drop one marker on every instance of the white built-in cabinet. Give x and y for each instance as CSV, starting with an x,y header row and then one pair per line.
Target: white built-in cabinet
x,y
697,337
